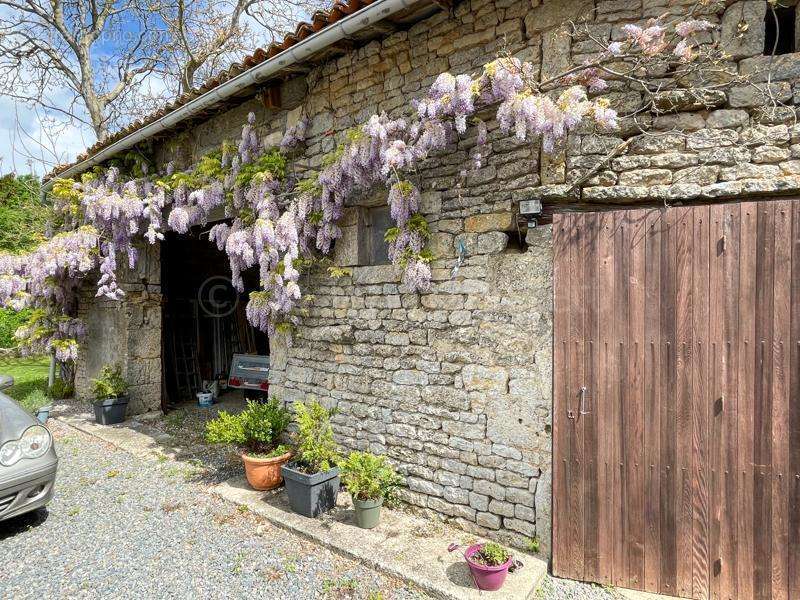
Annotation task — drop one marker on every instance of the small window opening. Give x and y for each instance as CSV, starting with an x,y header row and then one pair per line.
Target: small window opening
x,y
779,30
378,222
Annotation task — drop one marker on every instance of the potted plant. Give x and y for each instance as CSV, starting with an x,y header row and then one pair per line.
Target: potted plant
x,y
257,429
489,564
37,403
312,480
370,479
111,401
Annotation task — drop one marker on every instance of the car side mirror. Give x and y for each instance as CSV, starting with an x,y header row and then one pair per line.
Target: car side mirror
x,y
6,382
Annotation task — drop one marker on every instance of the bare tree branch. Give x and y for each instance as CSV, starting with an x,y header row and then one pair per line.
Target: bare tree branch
x,y
103,63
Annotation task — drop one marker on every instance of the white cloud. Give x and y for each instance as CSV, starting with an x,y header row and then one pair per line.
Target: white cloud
x,y
31,140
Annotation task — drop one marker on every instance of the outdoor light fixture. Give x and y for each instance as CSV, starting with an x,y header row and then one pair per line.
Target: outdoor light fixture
x,y
530,209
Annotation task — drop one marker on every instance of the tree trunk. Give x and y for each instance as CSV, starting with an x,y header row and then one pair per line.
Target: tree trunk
x,y
187,76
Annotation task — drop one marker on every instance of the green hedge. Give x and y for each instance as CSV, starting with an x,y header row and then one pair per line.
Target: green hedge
x,y
9,321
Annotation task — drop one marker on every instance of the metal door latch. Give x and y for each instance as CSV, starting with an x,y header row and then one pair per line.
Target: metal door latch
x,y
581,407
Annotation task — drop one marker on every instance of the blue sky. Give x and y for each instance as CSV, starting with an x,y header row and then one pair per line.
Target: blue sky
x,y
21,128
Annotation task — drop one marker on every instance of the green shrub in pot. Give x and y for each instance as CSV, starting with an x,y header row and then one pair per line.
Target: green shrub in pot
x,y
110,384
370,479
257,430
312,479
110,393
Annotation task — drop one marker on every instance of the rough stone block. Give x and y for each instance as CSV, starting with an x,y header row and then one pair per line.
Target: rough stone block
x,y
773,68
688,100
680,122
488,222
759,94
555,52
492,242
480,378
727,118
759,135
770,154
701,174
511,479
524,527
409,377
456,495
519,496
489,488
498,507
488,520
711,138
506,451
465,430
743,28
478,501
424,487
646,177
552,14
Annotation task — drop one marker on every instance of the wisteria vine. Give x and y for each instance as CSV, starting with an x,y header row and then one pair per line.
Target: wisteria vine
x,y
278,224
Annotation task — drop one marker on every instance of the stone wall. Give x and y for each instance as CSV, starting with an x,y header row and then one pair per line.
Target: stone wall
x,y
741,141
127,333
455,385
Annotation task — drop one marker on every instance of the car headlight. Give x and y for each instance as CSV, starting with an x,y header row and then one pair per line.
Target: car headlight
x,y
10,453
35,442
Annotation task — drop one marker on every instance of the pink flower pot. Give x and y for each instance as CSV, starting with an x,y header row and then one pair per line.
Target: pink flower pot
x,y
486,577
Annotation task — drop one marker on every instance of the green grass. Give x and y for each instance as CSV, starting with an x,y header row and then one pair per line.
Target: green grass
x,y
29,373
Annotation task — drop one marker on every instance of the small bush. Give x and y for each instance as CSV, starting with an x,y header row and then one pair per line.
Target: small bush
x,y
60,390
33,401
369,477
110,384
225,429
10,321
256,428
316,449
492,554
534,544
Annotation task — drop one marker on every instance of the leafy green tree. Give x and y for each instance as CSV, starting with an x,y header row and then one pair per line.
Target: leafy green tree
x,y
23,219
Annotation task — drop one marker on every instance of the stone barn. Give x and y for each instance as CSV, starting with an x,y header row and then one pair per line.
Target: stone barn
x,y
456,385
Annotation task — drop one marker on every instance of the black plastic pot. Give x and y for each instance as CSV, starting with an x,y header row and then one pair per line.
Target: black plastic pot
x,y
311,495
110,411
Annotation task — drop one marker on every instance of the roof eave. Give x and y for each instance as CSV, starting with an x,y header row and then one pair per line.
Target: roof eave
x,y
297,53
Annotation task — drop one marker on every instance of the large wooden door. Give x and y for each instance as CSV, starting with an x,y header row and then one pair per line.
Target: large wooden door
x,y
676,415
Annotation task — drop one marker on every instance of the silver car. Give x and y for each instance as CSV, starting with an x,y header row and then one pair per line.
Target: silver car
x,y
28,460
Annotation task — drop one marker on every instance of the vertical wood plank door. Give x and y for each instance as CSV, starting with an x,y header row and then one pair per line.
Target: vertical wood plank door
x,y
676,399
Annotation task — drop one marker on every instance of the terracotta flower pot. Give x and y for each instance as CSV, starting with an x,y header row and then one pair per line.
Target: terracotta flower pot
x,y
264,473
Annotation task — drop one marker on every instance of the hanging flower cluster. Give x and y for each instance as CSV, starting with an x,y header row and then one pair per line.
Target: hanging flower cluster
x,y
47,278
277,224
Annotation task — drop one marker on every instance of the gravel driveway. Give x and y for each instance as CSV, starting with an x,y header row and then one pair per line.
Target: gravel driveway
x,y
127,527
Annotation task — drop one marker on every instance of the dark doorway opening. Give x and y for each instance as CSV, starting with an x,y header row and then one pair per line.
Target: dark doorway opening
x,y
779,27
203,317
